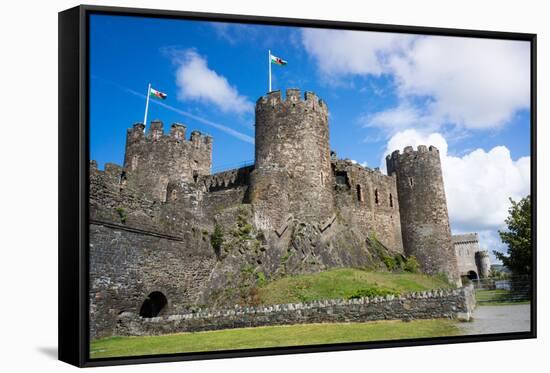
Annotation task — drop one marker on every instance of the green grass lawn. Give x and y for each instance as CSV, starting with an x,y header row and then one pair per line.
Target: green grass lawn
x,y
345,283
496,298
271,336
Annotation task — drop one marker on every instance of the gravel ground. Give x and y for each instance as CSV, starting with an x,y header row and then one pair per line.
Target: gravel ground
x,y
499,319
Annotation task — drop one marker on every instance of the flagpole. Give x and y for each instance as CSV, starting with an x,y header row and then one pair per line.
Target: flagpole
x,y
147,104
269,63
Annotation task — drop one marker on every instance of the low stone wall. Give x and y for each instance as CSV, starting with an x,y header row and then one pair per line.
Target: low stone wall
x,y
445,303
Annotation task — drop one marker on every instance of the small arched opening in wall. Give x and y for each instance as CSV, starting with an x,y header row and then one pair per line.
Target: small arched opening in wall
x,y
376,196
391,200
359,193
472,275
153,305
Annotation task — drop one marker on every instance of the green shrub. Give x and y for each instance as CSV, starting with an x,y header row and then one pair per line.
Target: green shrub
x,y
260,278
121,214
389,262
399,261
243,230
443,277
371,292
216,239
411,264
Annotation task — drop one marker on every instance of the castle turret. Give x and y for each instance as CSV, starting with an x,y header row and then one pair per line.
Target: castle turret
x,y
153,159
423,209
483,263
292,173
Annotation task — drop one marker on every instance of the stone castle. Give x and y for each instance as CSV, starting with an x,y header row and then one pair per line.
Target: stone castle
x,y
166,235
473,262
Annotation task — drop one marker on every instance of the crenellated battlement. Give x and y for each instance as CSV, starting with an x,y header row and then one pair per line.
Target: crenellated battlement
x,y
155,133
409,151
340,164
465,238
293,100
409,154
227,179
153,158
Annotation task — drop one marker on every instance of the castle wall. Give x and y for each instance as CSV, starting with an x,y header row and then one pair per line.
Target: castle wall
x,y
225,189
112,199
367,199
126,266
292,173
153,159
466,246
423,209
455,304
152,220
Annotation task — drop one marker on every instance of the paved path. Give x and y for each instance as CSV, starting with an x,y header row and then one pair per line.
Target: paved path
x,y
498,319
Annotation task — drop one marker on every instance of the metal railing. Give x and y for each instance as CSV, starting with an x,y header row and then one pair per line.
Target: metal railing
x,y
509,290
231,166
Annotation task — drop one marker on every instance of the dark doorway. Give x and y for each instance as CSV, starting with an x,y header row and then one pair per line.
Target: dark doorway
x,y
153,304
472,275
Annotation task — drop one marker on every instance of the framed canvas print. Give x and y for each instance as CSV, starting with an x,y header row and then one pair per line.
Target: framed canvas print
x,y
235,186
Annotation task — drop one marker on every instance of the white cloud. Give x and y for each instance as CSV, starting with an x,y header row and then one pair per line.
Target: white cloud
x,y
476,83
478,184
363,164
472,83
404,116
196,81
339,52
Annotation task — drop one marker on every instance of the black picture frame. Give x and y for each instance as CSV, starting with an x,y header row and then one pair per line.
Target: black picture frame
x,y
74,168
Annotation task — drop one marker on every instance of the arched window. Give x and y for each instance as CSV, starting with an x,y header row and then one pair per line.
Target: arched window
x,y
153,304
376,196
391,200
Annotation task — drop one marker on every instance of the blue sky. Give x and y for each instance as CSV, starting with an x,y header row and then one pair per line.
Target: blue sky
x,y
469,97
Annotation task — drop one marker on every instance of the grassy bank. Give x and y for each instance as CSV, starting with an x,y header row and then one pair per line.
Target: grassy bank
x,y
344,283
496,298
271,336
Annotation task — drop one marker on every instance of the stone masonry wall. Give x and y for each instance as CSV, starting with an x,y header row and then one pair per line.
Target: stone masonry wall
x,y
466,246
423,209
225,189
367,200
292,173
126,266
153,159
444,303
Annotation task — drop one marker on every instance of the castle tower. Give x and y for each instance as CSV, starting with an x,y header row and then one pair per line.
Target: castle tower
x,y
292,172
423,209
483,263
153,159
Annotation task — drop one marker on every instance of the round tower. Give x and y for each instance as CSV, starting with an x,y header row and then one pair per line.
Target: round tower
x,y
483,263
154,158
423,209
292,173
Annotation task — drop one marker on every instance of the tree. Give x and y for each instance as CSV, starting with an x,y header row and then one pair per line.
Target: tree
x,y
518,238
